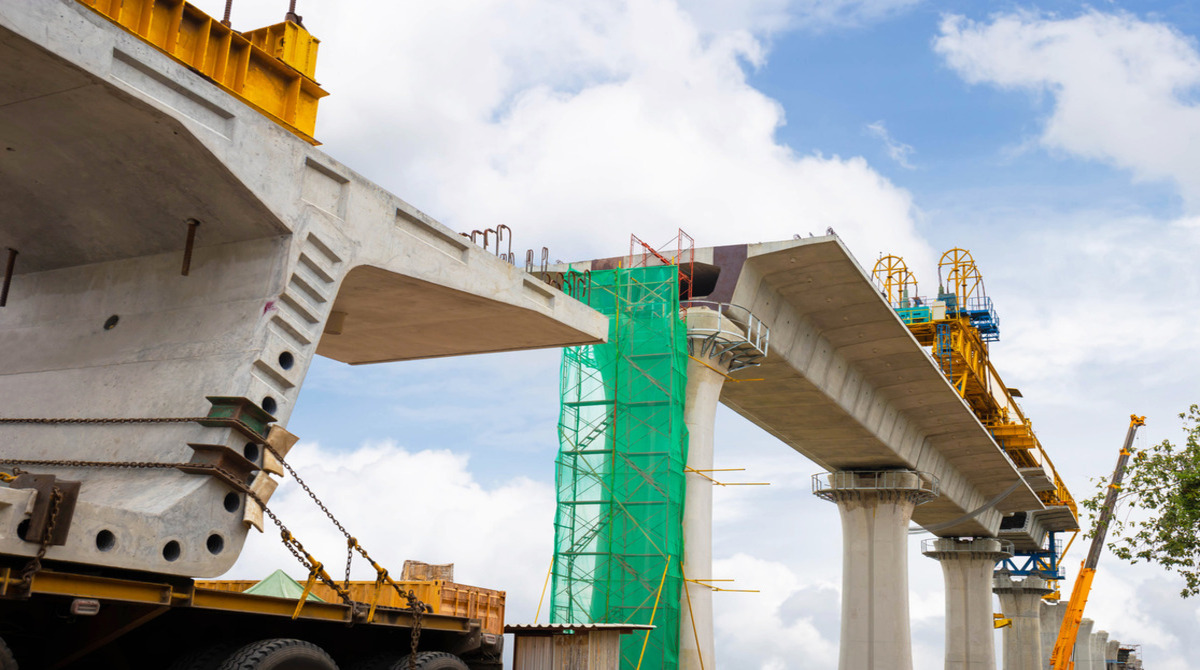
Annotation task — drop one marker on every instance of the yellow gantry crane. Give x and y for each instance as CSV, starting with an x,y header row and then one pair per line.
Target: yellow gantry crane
x,y
956,326
1061,659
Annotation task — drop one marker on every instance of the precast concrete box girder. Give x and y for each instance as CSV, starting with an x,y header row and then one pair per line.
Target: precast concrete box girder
x,y
108,147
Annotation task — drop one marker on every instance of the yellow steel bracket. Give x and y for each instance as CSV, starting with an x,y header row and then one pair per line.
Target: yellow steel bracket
x,y
1000,621
313,573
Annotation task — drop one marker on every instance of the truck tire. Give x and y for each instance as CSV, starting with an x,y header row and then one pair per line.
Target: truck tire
x,y
433,660
279,654
208,657
7,661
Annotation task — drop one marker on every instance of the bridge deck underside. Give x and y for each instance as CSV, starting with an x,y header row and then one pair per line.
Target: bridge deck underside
x,y
848,386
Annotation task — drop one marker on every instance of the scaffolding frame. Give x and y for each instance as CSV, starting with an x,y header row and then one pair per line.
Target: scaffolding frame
x,y
620,469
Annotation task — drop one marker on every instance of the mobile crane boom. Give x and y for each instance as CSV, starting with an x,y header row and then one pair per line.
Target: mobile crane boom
x,y
1061,657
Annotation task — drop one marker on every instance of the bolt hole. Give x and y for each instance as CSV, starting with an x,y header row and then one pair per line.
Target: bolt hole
x,y
269,406
105,540
250,451
171,551
215,544
23,529
232,502
111,322
286,360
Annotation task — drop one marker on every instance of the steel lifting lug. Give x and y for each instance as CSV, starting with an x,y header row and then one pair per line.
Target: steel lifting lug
x,y
46,514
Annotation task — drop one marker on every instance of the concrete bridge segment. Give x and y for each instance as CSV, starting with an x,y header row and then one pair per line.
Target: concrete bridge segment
x,y
108,146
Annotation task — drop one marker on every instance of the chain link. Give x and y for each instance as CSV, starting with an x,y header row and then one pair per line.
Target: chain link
x,y
294,546
35,564
173,419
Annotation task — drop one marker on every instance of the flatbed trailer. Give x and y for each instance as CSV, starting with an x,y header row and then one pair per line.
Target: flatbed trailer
x,y
71,620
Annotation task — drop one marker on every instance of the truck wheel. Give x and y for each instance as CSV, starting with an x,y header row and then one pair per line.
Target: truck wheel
x,y
7,662
384,661
201,658
433,660
279,654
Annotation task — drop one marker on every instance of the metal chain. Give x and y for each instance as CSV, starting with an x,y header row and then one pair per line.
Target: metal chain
x,y
414,604
311,564
294,546
35,564
172,419
418,612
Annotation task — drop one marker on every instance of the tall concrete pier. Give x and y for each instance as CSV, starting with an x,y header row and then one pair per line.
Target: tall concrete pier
x,y
722,338
967,565
1099,649
1020,600
1050,616
875,508
1083,645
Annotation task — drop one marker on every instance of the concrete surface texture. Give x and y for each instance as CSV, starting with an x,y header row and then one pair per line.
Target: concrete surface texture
x,y
1020,600
1083,645
875,632
1051,617
1099,649
967,566
294,255
706,376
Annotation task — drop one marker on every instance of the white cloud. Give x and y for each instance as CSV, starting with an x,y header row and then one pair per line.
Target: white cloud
x,y
579,123
1122,89
402,505
896,150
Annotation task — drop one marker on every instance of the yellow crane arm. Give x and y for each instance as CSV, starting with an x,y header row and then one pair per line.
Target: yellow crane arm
x,y
1060,659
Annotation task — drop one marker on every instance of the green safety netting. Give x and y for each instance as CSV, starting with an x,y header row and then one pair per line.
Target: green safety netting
x,y
620,467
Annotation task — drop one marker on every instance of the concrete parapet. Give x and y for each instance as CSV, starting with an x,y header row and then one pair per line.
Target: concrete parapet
x,y
967,565
876,508
1110,651
1020,600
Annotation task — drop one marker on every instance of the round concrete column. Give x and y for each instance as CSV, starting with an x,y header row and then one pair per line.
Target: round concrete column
x,y
1051,617
1099,649
1020,600
1110,651
967,566
703,392
1083,645
875,508
716,345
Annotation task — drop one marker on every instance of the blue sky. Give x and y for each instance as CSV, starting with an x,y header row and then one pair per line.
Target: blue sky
x,y
1055,140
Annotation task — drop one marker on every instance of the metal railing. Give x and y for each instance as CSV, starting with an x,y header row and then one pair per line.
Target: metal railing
x,y
746,348
923,485
949,545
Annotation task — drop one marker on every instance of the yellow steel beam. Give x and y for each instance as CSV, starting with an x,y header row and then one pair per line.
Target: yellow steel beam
x,y
271,69
50,583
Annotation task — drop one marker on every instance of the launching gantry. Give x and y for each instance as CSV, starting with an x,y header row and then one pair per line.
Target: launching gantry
x,y
956,327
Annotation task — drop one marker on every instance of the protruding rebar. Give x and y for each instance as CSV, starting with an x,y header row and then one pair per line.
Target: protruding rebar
x,y
228,10
192,224
8,273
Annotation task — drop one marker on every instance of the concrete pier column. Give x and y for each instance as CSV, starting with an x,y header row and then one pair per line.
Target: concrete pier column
x,y
967,566
1051,617
717,345
1020,600
875,508
1110,651
1083,645
1099,649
